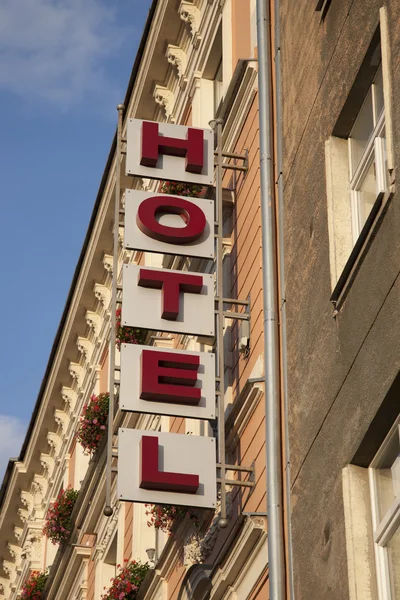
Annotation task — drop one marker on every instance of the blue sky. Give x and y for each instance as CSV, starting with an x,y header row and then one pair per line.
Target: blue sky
x,y
64,66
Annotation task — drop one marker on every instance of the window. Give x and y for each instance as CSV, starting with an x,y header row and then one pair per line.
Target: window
x,y
218,88
359,165
384,479
323,7
367,156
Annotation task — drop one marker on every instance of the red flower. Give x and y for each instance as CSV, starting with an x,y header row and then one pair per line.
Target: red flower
x,y
127,335
93,422
164,516
126,584
58,523
32,590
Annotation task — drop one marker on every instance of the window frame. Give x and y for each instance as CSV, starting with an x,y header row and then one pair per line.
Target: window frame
x,y
374,151
383,528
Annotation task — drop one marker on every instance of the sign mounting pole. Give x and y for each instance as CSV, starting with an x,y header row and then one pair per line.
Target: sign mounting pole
x,y
223,522
108,511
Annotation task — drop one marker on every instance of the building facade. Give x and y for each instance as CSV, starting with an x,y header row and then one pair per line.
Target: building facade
x,y
335,130
341,153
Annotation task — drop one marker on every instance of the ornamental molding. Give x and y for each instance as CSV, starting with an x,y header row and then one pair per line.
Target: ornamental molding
x,y
93,320
146,184
190,14
32,549
15,551
196,547
62,419
177,58
69,396
76,371
47,463
85,347
164,98
18,533
9,569
39,487
23,514
4,585
54,441
108,263
27,501
108,533
102,293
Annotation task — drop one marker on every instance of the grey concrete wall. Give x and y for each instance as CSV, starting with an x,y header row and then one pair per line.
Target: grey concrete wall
x,y
340,369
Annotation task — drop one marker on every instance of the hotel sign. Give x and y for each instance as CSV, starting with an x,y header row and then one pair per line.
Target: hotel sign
x,y
172,152
155,467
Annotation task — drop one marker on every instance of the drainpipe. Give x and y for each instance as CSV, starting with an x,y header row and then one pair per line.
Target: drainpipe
x,y
282,287
271,326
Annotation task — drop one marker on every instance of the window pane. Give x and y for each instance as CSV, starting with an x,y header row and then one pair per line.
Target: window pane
x,y
394,563
362,129
367,195
378,94
387,473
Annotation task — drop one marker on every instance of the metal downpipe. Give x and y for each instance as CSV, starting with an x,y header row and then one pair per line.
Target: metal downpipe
x,y
282,291
271,332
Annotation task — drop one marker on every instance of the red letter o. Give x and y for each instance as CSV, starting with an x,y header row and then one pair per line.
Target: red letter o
x,y
192,215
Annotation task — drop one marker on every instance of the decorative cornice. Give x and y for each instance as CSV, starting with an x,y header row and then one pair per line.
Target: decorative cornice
x,y
23,514
54,441
85,346
93,320
190,14
61,418
177,58
9,569
76,372
39,486
102,293
108,263
165,98
4,585
47,463
27,501
15,551
69,396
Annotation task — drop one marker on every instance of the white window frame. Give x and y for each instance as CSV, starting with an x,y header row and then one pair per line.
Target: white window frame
x,y
374,150
384,528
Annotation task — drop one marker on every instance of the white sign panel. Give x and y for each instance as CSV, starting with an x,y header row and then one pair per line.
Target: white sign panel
x,y
167,300
150,462
132,385
136,239
171,152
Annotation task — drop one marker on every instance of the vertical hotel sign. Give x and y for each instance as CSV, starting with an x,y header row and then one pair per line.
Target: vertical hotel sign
x,y
158,467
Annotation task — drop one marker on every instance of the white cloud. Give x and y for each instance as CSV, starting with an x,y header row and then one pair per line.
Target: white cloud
x,y
53,50
12,433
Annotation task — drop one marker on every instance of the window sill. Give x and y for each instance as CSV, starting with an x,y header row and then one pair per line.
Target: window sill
x,y
360,249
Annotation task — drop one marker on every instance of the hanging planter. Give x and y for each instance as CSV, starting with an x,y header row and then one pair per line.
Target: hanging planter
x,y
126,584
164,516
127,335
93,423
182,189
33,588
58,523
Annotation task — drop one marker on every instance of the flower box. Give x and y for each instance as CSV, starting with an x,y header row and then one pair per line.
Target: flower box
x,y
34,586
165,516
128,335
58,523
93,423
126,584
